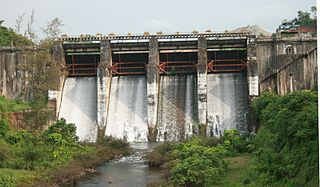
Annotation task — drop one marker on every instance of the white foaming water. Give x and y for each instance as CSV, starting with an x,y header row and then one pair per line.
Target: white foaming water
x,y
127,116
79,106
177,107
227,103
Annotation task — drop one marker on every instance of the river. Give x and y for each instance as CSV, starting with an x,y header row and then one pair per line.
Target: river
x,y
129,171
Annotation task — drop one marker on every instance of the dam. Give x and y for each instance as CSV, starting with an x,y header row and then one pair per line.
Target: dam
x,y
156,87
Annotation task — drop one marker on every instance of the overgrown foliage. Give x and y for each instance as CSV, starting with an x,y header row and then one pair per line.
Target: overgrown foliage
x,y
7,105
199,161
287,140
305,18
44,151
9,38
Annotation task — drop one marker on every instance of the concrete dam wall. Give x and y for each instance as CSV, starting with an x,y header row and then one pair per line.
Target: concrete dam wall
x,y
177,112
79,106
164,90
127,115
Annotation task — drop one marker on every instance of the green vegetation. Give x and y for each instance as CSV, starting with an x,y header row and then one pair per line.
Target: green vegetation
x,y
284,152
287,140
26,157
305,19
199,161
7,105
8,38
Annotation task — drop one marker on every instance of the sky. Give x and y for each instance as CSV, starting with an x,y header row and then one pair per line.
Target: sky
x,y
138,16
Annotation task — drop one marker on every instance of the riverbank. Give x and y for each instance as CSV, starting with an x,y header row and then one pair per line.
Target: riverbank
x,y
69,173
82,166
284,152
52,157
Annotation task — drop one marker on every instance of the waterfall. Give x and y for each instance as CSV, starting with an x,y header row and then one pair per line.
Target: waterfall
x,y
127,116
79,106
177,107
227,102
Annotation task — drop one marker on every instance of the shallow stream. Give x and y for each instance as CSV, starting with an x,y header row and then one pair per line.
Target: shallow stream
x,y
127,171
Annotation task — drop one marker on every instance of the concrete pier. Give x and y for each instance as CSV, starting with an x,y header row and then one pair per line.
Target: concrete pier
x,y
104,78
152,88
202,81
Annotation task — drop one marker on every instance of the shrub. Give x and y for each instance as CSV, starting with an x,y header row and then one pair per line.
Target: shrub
x,y
160,154
61,133
7,179
4,127
236,142
5,152
288,140
197,165
115,143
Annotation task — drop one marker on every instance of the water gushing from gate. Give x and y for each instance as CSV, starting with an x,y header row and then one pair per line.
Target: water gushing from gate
x,y
177,107
79,106
127,116
227,96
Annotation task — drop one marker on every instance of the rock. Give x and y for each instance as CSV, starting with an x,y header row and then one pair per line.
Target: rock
x,y
165,165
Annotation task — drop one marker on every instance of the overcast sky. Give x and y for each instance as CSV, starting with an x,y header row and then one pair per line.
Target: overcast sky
x,y
168,16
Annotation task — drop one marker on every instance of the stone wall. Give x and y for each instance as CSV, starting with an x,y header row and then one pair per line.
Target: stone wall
x,y
13,82
286,65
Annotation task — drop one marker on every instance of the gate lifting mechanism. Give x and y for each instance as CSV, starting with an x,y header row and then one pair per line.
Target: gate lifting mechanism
x,y
226,65
177,67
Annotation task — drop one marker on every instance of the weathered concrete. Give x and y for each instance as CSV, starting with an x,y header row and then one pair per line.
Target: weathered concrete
x,y
202,82
299,74
252,70
104,79
152,88
273,55
59,58
13,82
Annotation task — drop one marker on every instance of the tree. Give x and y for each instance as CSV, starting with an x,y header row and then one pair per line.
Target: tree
x,y
18,25
53,29
43,75
29,33
305,19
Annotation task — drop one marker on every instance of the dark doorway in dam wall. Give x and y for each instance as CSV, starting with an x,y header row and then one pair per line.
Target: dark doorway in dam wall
x,y
178,62
130,63
226,61
82,64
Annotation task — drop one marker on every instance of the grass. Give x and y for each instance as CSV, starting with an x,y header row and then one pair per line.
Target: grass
x,y
238,170
12,105
23,177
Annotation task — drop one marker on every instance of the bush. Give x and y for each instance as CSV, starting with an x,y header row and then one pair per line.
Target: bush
x,y
61,133
115,143
7,179
4,127
288,140
197,165
160,154
235,142
7,105
5,152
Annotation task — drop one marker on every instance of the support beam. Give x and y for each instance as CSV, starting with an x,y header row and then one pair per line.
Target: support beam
x,y
152,88
202,82
253,82
104,78
59,58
